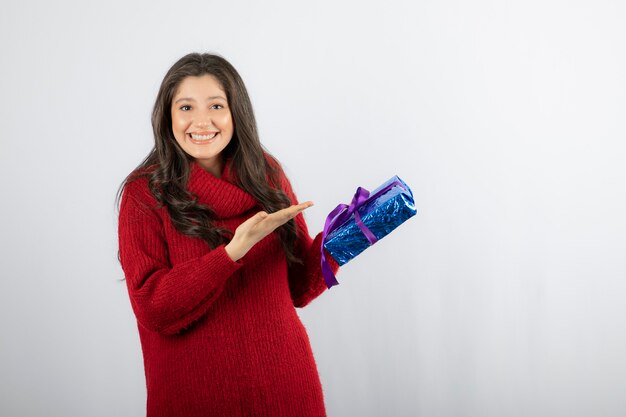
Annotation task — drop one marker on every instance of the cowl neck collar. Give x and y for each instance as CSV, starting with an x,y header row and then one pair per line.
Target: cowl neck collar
x,y
221,194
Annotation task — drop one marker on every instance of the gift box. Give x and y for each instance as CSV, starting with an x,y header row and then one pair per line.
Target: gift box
x,y
350,229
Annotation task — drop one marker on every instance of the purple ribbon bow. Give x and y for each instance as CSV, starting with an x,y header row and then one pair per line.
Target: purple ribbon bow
x,y
336,218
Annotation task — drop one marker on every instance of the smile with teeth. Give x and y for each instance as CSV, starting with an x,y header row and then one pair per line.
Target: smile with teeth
x,y
203,137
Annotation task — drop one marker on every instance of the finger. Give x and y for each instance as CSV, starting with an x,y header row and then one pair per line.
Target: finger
x,y
280,217
298,208
283,216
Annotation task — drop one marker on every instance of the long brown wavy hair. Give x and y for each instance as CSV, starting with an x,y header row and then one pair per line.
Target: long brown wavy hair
x,y
167,166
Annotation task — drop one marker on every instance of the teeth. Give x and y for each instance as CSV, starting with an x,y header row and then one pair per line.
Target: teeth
x,y
203,137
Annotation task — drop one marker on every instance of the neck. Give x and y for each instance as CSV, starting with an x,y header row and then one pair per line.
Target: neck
x,y
214,167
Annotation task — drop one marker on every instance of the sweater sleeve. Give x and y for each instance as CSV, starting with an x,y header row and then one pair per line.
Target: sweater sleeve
x,y
165,299
306,281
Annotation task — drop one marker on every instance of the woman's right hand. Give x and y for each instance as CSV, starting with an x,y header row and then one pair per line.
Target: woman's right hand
x,y
253,230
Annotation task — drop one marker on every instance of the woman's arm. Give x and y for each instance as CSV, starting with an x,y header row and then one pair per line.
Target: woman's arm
x,y
166,299
306,281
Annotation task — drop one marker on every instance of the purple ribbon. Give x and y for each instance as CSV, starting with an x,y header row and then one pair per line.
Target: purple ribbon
x,y
336,218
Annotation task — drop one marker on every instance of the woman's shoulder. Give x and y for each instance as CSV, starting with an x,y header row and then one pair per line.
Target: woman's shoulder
x,y
137,186
276,170
281,179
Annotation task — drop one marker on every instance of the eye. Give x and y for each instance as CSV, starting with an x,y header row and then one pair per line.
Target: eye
x,y
185,106
217,105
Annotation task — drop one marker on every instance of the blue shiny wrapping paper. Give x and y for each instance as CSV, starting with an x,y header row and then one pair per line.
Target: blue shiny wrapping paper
x,y
381,214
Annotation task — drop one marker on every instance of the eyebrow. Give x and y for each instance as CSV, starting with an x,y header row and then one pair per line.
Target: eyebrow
x,y
191,99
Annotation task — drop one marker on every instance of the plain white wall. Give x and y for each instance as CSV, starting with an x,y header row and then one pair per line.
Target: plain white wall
x,y
504,296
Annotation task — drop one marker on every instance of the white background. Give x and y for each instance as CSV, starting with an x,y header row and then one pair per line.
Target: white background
x,y
504,296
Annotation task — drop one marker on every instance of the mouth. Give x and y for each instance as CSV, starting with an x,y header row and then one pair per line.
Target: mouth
x,y
202,137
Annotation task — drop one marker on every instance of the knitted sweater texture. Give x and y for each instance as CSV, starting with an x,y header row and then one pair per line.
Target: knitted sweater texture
x,y
219,337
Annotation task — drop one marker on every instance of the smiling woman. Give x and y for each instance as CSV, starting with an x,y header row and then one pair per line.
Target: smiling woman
x,y
216,255
201,121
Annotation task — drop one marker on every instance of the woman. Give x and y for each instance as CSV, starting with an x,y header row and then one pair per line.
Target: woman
x,y
216,254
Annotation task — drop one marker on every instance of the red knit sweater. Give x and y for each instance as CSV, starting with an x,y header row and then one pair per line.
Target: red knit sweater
x,y
219,338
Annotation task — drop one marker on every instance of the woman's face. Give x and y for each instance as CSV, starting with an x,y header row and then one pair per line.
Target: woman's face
x,y
201,120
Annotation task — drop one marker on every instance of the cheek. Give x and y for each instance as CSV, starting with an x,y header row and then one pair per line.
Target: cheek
x,y
179,123
226,121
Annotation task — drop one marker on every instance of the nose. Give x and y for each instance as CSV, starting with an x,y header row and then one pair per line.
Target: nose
x,y
205,124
